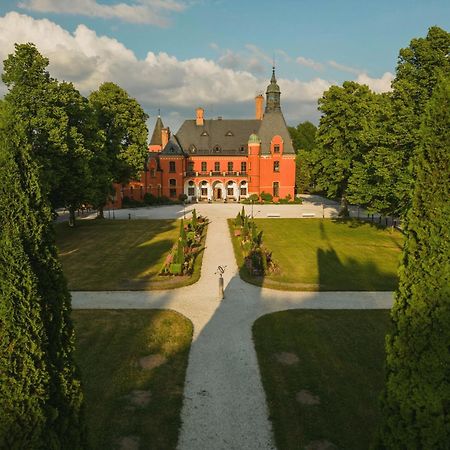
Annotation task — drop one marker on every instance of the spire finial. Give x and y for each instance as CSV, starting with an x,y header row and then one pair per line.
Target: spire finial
x,y
159,112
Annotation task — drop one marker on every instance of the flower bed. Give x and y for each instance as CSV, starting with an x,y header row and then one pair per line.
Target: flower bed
x,y
257,258
181,258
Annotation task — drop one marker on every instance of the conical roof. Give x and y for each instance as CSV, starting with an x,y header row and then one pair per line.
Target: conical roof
x,y
273,86
157,132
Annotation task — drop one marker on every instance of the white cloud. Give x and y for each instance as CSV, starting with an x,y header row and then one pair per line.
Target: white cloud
x,y
141,11
382,84
344,68
159,80
307,62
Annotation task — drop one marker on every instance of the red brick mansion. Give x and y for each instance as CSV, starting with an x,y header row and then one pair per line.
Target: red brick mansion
x,y
220,159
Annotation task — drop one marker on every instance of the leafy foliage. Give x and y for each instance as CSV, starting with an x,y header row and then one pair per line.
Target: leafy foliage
x,y
417,395
40,393
121,121
57,124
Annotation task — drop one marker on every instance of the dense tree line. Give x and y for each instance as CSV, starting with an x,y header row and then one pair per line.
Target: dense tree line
x,y
57,148
82,145
365,141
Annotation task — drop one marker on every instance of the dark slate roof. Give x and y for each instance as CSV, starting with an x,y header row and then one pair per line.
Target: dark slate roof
x,y
172,148
216,136
156,136
272,124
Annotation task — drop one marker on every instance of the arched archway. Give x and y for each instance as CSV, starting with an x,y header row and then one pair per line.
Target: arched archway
x,y
218,190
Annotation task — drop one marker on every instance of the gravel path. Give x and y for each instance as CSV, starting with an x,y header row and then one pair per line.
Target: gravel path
x,y
224,403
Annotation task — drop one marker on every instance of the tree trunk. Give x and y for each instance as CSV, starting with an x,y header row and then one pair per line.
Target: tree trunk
x,y
100,213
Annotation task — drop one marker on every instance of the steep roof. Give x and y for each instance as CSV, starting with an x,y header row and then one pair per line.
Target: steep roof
x,y
172,148
157,132
216,136
272,124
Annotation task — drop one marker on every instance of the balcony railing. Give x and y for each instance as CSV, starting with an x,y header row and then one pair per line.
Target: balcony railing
x,y
215,174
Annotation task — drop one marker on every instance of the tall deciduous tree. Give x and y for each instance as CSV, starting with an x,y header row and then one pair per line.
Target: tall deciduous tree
x,y
416,412
58,126
123,124
344,135
416,76
303,136
40,392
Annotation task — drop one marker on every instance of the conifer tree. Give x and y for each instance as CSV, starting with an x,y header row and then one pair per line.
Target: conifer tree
x,y
40,392
416,400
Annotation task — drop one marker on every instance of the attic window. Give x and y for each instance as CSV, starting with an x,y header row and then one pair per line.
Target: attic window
x,y
216,148
204,134
229,133
242,148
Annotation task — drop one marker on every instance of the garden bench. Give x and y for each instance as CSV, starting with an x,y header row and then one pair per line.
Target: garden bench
x,y
308,215
273,215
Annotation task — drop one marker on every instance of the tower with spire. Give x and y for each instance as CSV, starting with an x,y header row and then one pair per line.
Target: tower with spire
x,y
273,94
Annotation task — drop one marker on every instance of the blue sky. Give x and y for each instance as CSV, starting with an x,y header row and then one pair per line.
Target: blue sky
x,y
177,54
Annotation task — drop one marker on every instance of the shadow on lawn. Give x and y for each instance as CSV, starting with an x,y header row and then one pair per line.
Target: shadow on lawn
x,y
354,275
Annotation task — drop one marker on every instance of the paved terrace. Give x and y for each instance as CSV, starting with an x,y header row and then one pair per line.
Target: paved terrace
x,y
224,403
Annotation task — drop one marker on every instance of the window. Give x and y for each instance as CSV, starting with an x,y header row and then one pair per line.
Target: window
x,y
229,133
204,134
242,148
243,188
276,166
191,189
172,182
230,189
216,149
276,189
276,148
172,193
230,166
204,189
171,166
190,166
243,166
217,166
203,166
152,173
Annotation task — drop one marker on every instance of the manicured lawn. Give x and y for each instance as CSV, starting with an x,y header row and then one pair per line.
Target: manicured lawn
x,y
328,255
125,402
340,363
102,255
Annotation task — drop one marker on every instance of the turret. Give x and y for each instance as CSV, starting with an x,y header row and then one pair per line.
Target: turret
x,y
273,95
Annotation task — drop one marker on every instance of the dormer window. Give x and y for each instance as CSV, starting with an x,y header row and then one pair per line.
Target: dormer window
x,y
229,133
216,149
276,148
204,134
242,148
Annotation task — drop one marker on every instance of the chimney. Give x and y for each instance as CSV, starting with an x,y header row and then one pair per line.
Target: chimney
x,y
199,119
259,104
165,135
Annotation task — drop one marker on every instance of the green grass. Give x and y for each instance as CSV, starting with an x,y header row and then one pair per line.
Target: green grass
x,y
101,255
341,360
327,255
108,347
